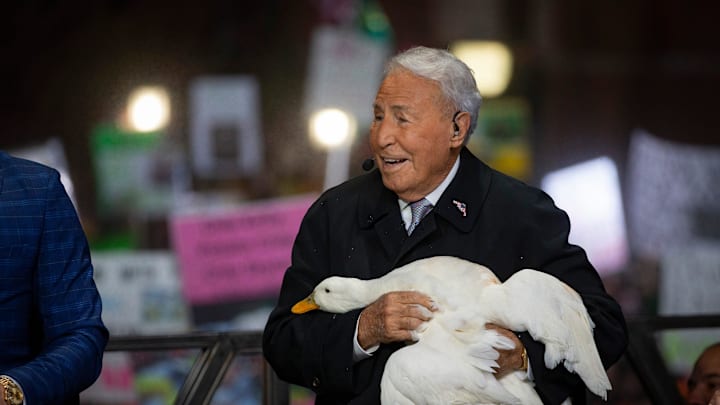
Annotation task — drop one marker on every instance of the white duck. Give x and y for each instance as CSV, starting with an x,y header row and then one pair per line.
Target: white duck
x,y
453,358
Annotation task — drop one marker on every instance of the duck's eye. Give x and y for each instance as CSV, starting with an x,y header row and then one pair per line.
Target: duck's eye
x,y
327,290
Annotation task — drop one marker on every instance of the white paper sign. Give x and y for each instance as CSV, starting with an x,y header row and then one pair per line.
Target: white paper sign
x,y
140,292
345,71
225,130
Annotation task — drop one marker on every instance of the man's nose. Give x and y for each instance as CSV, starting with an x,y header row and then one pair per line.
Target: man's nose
x,y
385,133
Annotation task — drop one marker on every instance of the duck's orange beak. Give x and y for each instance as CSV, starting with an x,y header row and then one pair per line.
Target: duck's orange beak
x,y
306,305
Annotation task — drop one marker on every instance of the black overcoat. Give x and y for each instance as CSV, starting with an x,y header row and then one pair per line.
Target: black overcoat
x,y
355,229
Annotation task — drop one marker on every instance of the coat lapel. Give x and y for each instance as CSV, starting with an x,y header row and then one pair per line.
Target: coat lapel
x,y
378,210
459,205
463,200
426,228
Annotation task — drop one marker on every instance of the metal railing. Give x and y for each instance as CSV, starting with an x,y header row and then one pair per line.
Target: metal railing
x,y
645,358
217,350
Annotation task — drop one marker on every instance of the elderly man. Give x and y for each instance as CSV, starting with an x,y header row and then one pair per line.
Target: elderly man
x,y
429,196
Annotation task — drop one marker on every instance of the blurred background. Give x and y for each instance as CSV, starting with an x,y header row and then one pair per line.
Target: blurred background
x,y
192,138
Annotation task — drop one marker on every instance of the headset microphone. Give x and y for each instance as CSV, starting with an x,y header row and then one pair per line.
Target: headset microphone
x,y
368,164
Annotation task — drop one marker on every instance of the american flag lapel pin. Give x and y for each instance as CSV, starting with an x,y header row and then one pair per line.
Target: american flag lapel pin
x,y
461,207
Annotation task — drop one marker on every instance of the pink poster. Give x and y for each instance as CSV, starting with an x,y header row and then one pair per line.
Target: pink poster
x,y
238,254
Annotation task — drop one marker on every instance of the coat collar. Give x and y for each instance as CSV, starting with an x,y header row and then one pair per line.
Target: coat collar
x,y
460,204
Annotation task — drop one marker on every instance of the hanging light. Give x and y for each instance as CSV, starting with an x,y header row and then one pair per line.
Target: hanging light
x,y
334,130
491,63
148,109
332,127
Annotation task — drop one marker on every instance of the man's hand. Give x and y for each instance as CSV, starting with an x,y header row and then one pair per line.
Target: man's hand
x,y
393,318
509,360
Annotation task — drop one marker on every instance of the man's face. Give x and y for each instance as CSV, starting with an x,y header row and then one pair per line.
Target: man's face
x,y
412,135
705,377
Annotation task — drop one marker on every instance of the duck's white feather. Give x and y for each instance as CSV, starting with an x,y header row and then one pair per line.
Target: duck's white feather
x,y
557,318
452,361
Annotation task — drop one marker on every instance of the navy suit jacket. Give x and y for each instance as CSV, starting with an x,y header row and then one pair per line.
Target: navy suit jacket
x,y
51,335
356,230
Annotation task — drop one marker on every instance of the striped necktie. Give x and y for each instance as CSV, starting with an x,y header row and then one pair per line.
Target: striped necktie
x,y
419,209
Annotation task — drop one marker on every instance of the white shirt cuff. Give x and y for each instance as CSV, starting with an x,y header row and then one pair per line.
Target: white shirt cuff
x,y
358,352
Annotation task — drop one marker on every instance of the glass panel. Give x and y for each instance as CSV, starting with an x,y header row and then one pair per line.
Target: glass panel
x,y
242,383
140,378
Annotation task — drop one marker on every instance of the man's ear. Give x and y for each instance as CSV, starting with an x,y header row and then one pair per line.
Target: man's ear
x,y
461,124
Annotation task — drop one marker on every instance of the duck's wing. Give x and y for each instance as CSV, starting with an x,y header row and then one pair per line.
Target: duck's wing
x,y
418,374
554,314
467,330
479,347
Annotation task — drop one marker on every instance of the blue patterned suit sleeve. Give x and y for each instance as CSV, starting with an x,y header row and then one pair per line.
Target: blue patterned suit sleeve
x,y
67,300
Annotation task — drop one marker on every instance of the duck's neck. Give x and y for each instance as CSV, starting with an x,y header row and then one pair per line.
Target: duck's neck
x,y
375,288
361,293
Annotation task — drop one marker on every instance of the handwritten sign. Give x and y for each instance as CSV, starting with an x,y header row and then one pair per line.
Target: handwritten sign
x,y
241,254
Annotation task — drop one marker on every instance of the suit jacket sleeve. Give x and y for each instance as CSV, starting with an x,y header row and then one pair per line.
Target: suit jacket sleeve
x,y
72,334
545,239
